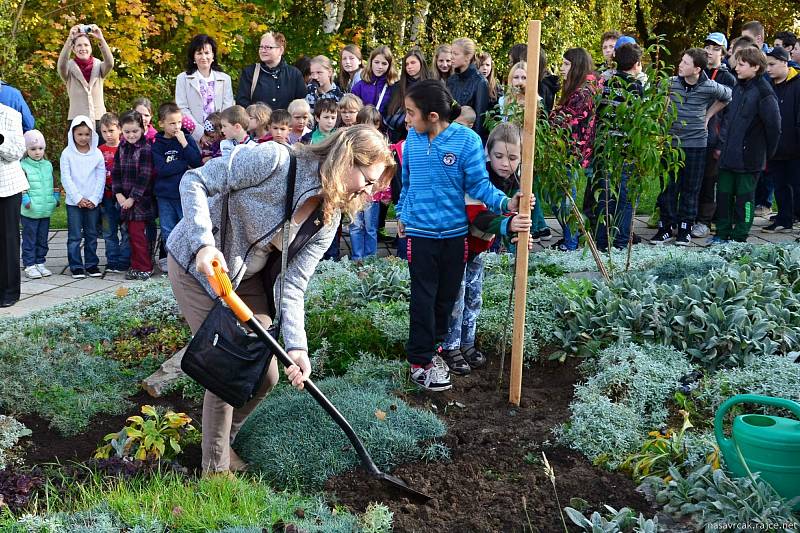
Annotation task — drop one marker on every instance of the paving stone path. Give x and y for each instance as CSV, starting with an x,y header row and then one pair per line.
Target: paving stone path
x,y
60,287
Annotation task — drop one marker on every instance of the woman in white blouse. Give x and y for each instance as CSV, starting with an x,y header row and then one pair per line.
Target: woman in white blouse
x,y
203,88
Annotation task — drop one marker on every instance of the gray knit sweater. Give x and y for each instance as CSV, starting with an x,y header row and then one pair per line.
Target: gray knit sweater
x,y
255,177
693,101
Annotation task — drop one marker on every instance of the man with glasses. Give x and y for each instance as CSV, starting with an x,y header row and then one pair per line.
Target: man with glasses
x,y
272,80
715,46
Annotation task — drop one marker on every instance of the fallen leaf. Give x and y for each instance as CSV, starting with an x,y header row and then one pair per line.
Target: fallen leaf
x,y
122,292
380,415
300,512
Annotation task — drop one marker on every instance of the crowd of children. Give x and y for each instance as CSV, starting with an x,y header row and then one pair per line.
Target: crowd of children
x,y
455,189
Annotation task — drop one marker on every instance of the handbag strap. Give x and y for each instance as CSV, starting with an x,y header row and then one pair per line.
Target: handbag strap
x,y
254,84
287,224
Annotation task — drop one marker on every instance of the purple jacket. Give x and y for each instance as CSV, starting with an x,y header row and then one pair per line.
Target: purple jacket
x,y
370,92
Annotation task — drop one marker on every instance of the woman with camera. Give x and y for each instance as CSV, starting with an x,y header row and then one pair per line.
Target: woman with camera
x,y
84,74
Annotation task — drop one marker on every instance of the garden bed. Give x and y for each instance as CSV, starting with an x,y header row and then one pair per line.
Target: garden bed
x,y
495,479
47,445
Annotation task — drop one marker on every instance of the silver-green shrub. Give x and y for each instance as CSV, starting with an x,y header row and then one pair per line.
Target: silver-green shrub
x,y
622,401
11,431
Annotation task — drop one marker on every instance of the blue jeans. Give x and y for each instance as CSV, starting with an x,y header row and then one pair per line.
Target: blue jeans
x,y
620,211
467,307
118,250
82,224
170,213
364,232
333,250
562,213
34,240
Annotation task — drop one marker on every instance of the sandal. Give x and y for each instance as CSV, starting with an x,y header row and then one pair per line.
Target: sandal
x,y
456,362
473,357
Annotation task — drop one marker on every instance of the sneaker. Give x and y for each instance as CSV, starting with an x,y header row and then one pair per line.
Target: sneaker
x,y
114,270
777,228
455,361
94,272
536,237
143,276
684,237
545,234
43,270
132,274
662,237
716,240
432,378
700,231
78,273
762,211
32,272
559,245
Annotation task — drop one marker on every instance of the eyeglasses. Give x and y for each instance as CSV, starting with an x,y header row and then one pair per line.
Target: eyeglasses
x,y
368,182
264,47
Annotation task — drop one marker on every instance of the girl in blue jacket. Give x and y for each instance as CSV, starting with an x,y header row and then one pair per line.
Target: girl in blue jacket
x,y
442,161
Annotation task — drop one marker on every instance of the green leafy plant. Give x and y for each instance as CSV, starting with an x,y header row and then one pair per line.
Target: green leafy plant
x,y
713,499
724,319
614,521
155,437
662,450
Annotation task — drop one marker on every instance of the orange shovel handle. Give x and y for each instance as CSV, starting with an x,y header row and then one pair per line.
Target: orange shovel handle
x,y
221,284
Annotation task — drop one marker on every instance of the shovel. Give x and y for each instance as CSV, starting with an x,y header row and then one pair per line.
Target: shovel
x,y
221,284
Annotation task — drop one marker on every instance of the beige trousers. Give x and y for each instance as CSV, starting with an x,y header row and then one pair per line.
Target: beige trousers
x,y
221,422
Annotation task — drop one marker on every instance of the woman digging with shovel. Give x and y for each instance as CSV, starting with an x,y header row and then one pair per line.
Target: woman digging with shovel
x,y
237,211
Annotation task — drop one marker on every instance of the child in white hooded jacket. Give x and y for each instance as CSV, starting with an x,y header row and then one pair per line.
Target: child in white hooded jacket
x,y
83,176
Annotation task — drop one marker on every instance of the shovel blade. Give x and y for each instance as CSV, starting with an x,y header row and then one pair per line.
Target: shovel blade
x,y
396,483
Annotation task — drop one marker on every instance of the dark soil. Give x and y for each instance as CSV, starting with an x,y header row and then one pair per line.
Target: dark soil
x,y
495,480
47,445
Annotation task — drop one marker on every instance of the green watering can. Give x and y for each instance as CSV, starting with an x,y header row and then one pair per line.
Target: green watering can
x,y
767,444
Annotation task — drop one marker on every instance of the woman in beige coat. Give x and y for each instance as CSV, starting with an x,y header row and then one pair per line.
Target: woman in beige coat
x,y
84,74
203,88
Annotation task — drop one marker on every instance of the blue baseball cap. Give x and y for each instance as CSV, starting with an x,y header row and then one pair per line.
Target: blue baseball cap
x,y
624,39
718,39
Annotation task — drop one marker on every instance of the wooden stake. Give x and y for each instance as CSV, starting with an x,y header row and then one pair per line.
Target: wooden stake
x,y
526,187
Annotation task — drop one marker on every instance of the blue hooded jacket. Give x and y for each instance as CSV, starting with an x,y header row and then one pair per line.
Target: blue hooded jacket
x,y
436,176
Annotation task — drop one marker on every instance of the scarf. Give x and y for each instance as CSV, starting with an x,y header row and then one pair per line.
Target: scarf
x,y
86,66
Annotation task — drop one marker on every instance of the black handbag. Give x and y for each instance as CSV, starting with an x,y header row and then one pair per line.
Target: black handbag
x,y
222,356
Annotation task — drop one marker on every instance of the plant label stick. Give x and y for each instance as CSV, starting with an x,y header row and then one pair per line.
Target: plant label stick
x,y
526,187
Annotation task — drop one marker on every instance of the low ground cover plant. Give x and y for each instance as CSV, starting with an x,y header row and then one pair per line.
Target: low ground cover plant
x,y
10,432
293,443
77,360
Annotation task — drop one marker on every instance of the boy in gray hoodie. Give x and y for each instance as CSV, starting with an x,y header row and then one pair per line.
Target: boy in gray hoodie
x,y
83,176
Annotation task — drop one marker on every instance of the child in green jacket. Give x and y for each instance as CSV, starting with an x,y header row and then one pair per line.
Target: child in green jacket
x,y
38,203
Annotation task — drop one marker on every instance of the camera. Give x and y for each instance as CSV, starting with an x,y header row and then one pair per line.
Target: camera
x,y
87,28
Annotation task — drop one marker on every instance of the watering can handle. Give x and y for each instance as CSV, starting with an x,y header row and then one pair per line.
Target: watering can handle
x,y
719,419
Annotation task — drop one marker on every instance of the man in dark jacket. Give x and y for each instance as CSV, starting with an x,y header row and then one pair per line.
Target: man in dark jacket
x,y
715,46
272,80
749,138
784,167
